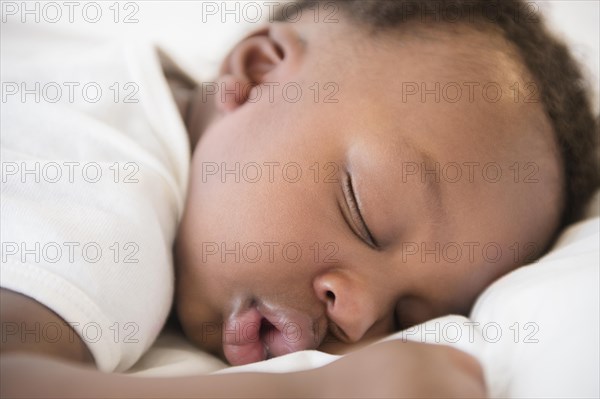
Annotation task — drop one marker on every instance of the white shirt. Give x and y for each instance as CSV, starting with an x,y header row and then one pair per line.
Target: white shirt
x,y
95,161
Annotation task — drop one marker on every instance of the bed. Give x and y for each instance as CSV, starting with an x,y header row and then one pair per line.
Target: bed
x,y
535,331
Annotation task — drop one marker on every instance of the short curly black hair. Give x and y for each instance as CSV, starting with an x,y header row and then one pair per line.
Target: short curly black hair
x,y
563,91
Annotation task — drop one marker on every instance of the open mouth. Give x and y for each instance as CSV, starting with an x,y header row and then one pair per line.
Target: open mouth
x,y
267,333
259,333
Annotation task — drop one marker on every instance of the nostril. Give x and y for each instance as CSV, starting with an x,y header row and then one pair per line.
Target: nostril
x,y
330,296
326,287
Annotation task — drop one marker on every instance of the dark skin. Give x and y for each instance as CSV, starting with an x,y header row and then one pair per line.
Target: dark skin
x,y
23,313
369,136
362,301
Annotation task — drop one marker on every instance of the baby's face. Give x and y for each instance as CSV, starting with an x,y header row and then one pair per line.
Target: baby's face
x,y
313,221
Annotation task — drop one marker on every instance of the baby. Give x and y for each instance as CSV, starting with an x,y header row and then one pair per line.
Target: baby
x,y
358,168
451,152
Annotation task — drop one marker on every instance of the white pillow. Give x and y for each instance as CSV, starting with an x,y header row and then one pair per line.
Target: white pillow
x,y
548,316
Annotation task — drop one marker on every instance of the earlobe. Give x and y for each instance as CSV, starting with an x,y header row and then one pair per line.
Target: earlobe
x,y
246,66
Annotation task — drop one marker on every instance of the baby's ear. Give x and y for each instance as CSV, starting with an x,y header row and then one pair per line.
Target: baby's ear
x,y
246,66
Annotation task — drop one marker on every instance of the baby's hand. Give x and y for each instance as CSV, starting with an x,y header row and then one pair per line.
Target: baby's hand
x,y
401,369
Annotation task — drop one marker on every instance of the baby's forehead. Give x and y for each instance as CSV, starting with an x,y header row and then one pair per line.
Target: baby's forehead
x,y
463,50
459,92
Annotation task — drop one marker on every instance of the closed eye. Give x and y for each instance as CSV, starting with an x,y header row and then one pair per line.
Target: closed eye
x,y
357,223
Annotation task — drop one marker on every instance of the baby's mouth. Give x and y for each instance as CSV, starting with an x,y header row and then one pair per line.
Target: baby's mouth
x,y
260,332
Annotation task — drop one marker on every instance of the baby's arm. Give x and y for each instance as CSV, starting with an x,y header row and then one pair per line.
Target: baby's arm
x,y
389,369
23,318
393,368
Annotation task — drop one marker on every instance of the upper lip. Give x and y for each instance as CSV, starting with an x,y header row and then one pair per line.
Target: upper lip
x,y
300,331
260,331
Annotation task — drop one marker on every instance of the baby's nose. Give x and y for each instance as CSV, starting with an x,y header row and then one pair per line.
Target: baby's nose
x,y
351,306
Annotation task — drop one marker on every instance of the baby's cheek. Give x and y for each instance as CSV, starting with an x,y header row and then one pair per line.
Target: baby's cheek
x,y
200,321
413,310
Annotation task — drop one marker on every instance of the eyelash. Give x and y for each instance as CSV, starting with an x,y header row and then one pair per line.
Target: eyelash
x,y
354,210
